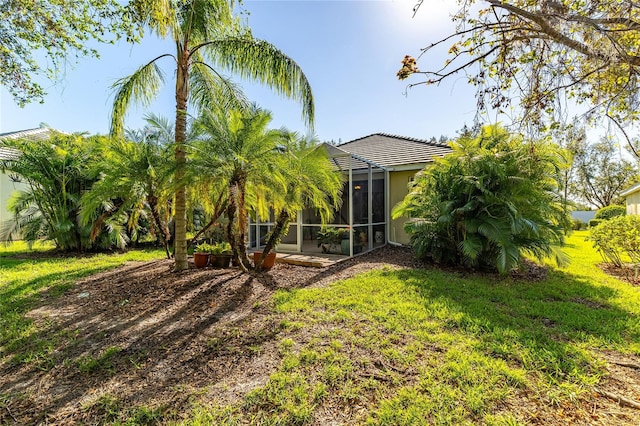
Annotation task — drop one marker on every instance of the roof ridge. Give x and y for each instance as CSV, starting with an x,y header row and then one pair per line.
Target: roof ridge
x,y
390,135
22,133
409,138
357,139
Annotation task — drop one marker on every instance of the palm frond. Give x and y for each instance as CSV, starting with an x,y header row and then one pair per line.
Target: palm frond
x,y
472,247
142,86
507,258
211,90
196,18
261,61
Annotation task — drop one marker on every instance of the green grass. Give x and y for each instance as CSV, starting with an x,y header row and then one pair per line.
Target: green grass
x,y
413,347
90,364
113,412
389,347
26,279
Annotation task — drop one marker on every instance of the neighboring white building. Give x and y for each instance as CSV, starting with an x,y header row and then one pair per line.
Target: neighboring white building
x,y
632,198
583,215
7,184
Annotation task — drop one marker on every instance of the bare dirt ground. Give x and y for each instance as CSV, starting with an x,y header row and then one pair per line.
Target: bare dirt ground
x,y
626,273
180,336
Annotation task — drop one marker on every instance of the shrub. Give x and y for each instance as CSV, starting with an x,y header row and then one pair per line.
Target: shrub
x,y
617,237
215,248
612,211
578,225
58,171
487,203
594,222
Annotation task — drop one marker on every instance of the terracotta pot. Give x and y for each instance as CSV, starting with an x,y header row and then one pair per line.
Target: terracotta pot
x,y
269,261
200,259
220,260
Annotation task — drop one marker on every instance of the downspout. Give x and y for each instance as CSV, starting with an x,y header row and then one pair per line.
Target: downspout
x,y
300,233
350,208
370,211
387,217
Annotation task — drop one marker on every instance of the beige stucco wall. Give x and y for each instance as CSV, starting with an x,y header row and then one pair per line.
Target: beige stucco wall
x,y
633,203
397,191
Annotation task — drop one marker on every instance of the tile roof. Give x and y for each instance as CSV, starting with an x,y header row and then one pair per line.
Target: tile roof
x,y
341,161
8,153
391,150
37,134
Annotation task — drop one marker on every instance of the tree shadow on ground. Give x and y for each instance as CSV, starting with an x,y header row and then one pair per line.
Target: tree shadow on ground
x,y
142,335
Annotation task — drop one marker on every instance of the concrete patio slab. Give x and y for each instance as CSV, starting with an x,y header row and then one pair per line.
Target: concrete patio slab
x,y
315,261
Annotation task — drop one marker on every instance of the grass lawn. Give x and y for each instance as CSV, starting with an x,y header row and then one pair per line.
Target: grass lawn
x,y
411,347
397,347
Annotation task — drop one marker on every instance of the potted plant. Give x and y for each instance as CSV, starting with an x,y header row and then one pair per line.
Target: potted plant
x,y
201,255
268,262
220,255
330,238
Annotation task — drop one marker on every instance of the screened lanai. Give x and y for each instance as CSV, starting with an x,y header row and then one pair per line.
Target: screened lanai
x,y
360,222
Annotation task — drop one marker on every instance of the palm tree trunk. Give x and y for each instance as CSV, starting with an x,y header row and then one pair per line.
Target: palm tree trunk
x,y
152,200
237,228
282,223
242,225
220,207
231,232
182,95
96,228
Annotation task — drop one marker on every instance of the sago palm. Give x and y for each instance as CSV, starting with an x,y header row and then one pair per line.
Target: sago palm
x,y
207,39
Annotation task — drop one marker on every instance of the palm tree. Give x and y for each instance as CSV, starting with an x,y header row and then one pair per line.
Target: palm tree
x,y
238,150
311,182
206,34
134,181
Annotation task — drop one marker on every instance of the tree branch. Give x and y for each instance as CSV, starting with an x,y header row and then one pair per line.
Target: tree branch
x,y
548,29
625,402
456,70
626,136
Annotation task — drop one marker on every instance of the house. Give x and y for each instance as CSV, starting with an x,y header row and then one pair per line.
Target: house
x,y
7,184
632,198
377,169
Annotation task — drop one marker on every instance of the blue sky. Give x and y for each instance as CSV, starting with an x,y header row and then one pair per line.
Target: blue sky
x,y
349,50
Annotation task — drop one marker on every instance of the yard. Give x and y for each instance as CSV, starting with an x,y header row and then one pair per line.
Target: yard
x,y
121,339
